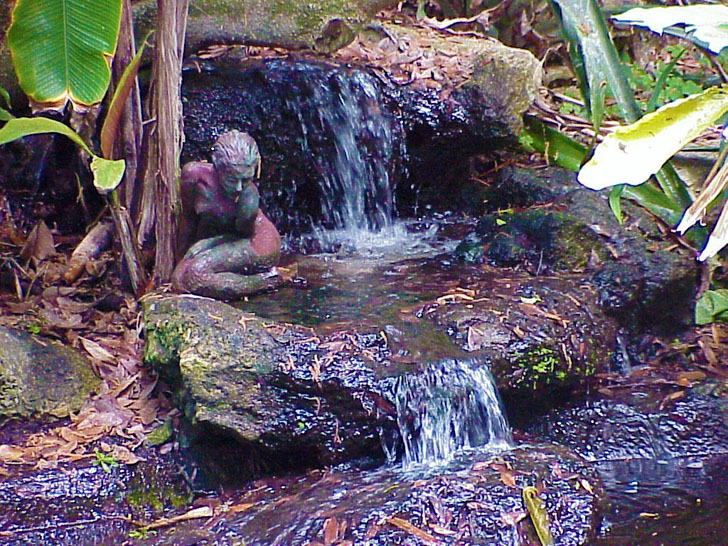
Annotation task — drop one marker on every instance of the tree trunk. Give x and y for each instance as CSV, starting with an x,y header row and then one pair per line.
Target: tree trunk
x,y
160,200
129,141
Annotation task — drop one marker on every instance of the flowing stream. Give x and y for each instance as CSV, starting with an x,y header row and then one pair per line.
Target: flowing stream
x,y
372,265
452,405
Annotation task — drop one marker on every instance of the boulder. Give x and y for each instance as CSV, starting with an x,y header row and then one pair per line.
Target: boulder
x,y
544,338
475,500
86,503
281,394
545,222
326,25
41,377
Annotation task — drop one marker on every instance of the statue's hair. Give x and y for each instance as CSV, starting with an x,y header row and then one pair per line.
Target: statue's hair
x,y
235,148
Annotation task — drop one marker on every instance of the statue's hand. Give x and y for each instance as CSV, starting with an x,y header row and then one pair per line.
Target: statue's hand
x,y
247,210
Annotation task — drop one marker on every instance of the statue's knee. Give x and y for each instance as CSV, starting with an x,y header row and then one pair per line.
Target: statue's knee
x,y
188,275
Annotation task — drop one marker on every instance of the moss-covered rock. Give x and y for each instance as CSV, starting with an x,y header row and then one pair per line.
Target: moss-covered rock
x,y
545,222
326,25
41,377
258,395
544,337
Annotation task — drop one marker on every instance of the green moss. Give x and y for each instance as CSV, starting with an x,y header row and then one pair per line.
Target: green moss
x,y
575,243
545,365
161,434
156,492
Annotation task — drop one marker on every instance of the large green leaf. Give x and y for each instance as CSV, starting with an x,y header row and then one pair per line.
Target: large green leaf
x,y
702,24
61,49
21,127
558,148
593,52
107,173
631,154
711,307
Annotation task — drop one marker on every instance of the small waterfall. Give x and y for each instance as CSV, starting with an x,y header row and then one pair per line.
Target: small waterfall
x,y
450,406
347,110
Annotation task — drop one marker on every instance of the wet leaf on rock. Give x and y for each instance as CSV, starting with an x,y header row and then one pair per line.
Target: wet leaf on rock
x,y
412,530
539,515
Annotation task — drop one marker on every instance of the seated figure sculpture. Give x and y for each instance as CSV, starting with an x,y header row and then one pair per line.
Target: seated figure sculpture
x,y
228,246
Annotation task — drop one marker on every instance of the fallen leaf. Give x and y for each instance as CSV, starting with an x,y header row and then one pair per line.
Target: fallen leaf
x,y
242,507
411,529
331,531
508,479
691,376
39,244
195,513
97,351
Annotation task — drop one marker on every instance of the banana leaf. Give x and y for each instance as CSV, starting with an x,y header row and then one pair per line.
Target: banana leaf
x,y
61,49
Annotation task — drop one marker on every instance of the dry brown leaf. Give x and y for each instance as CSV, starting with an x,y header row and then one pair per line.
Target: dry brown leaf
x,y
242,507
411,529
195,513
39,244
96,351
331,531
11,453
508,479
691,376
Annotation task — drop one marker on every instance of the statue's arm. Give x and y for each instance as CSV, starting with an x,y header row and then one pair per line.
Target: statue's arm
x,y
247,210
196,184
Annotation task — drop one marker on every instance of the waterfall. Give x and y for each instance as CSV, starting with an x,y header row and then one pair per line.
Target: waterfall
x,y
451,406
346,109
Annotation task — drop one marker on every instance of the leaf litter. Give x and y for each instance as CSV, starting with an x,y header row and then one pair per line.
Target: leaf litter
x,y
90,317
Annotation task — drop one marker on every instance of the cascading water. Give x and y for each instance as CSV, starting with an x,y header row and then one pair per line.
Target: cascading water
x,y
453,405
356,179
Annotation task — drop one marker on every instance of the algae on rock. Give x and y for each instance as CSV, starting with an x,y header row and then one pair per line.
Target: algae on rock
x,y
41,378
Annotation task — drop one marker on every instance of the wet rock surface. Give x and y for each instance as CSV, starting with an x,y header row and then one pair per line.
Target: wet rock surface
x,y
265,394
41,377
644,424
476,499
544,222
85,504
400,128
545,338
659,450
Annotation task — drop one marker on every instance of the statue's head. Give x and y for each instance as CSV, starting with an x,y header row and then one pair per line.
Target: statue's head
x,y
236,160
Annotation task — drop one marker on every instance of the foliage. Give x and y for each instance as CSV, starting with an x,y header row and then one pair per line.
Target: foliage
x,y
105,460
107,173
704,25
631,154
712,306
659,135
61,49
5,114
539,515
656,137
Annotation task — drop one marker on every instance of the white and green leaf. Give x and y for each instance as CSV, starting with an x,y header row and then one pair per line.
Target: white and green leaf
x,y
704,24
632,153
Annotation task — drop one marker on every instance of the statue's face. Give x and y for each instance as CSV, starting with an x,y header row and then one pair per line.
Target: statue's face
x,y
237,160
233,178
